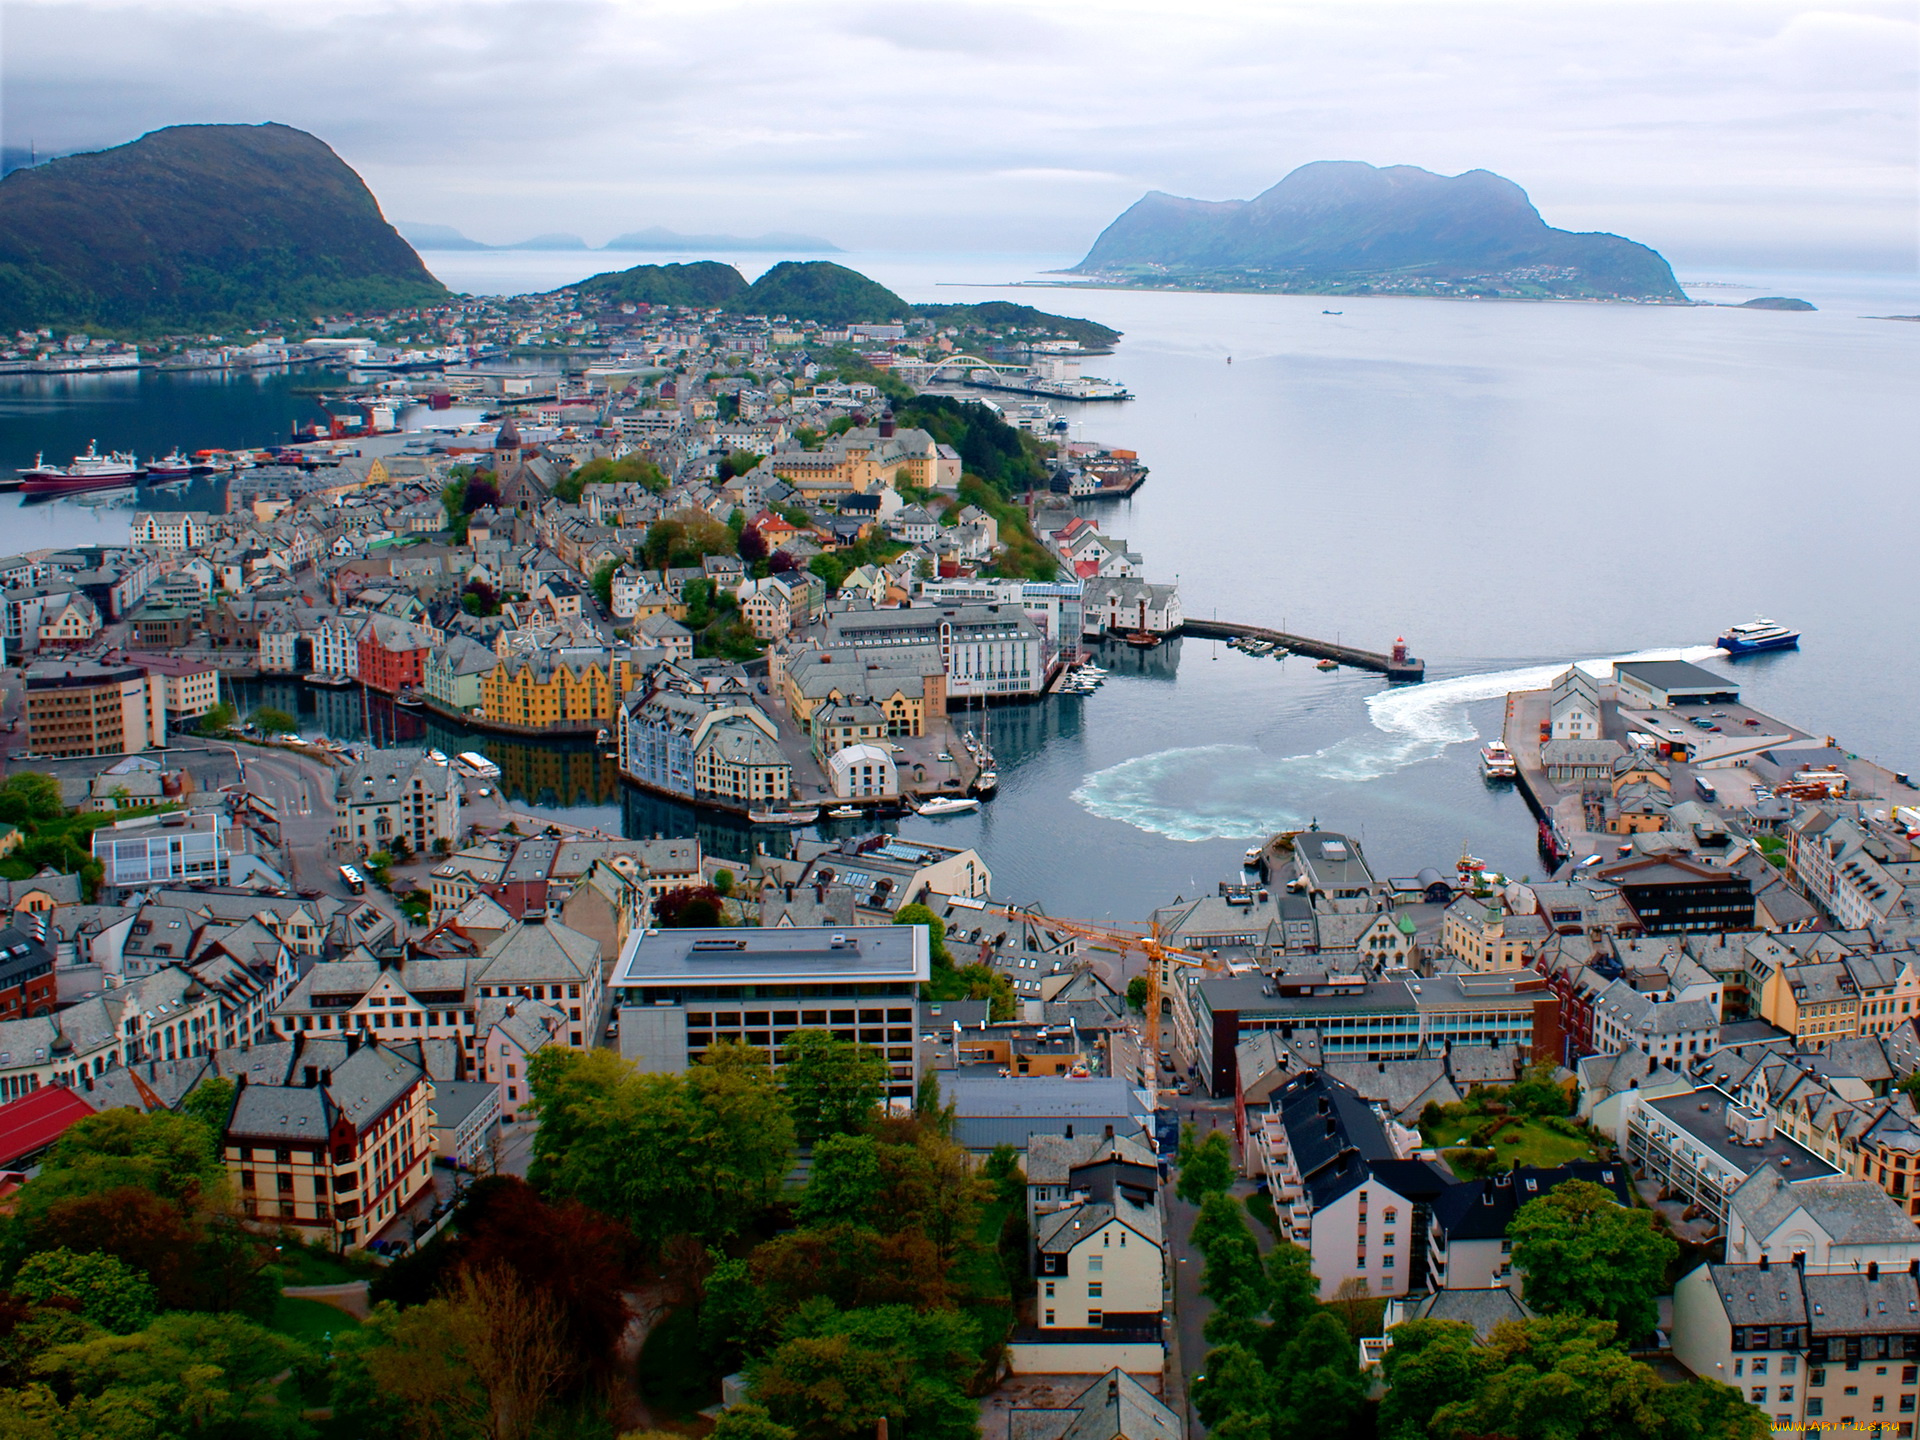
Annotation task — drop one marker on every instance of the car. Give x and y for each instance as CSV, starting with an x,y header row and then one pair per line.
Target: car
x,y
1719,714
1749,720
1715,729
485,791
946,757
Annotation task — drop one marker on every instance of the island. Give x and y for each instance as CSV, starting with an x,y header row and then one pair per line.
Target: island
x,y
1349,228
1774,302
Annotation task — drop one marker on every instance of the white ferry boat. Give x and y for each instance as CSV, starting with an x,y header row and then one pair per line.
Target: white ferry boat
x,y
474,763
1757,635
1497,762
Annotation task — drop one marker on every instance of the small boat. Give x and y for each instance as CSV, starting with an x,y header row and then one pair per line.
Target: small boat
x,y
1333,312
438,757
844,812
1143,640
947,805
985,783
1327,665
784,817
474,763
1758,635
1497,762
409,700
175,466
1252,857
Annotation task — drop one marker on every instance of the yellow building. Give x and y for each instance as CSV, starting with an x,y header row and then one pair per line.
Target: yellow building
x,y
1815,1003
847,678
859,460
558,687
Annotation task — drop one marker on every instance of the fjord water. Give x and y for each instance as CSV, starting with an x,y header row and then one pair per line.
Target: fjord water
x,y
1509,486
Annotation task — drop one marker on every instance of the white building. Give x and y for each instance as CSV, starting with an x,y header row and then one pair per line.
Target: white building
x,y
1574,706
396,793
863,772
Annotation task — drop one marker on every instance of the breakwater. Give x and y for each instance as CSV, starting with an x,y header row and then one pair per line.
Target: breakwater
x,y
1397,665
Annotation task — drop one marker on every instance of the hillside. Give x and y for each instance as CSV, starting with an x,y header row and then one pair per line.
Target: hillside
x,y
656,237
1342,227
822,291
701,285
199,227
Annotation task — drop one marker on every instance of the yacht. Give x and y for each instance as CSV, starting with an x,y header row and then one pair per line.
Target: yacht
x,y
474,763
948,805
1758,635
1497,762
844,812
985,783
1327,665
784,817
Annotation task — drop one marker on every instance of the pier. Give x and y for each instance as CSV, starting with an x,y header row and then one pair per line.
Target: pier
x,y
1397,666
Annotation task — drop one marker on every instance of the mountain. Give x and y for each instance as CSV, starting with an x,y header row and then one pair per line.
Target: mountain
x,y
1344,227
823,291
656,238
558,241
703,285
199,227
436,237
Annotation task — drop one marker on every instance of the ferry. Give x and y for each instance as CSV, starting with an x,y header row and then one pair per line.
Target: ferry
x,y
474,763
91,471
1757,635
1497,762
947,805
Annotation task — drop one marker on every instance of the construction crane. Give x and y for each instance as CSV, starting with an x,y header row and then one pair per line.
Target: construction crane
x,y
1161,958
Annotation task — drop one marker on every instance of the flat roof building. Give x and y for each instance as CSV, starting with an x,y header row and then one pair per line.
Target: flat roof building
x,y
1662,684
678,991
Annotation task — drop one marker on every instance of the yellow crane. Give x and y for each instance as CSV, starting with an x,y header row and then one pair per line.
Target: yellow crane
x,y
1161,957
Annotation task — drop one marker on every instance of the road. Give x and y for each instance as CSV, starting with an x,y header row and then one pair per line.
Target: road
x,y
1190,1307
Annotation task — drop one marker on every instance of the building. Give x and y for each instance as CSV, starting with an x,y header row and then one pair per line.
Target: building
x,y
396,797
562,687
986,651
26,975
1701,1145
1099,1269
1573,706
80,708
331,1138
678,991
189,688
1344,1187
1820,1222
175,848
466,1118
455,672
393,654
1486,938
706,746
863,772
1663,684
1113,1407
1672,894
1331,867
991,1111
1816,1351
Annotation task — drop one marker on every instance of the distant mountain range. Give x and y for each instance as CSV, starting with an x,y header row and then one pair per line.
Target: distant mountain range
x,y
445,237
823,292
199,227
1343,228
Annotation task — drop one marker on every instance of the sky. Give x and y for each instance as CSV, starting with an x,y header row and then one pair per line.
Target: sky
x,y
1722,132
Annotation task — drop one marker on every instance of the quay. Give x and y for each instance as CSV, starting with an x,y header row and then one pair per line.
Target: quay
x,y
1397,666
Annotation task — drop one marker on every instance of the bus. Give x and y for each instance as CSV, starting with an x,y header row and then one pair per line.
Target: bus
x,y
353,880
1706,790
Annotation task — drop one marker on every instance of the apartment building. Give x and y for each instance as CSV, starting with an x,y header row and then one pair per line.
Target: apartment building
x,y
396,796
79,708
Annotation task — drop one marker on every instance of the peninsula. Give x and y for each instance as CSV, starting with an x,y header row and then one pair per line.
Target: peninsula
x,y
1348,228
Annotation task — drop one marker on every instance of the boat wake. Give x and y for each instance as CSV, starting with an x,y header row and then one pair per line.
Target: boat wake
x,y
1237,792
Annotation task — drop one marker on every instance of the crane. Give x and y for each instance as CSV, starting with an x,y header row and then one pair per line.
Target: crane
x,y
1161,957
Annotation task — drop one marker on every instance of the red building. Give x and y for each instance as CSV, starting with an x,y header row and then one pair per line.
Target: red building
x,y
30,1125
26,976
393,655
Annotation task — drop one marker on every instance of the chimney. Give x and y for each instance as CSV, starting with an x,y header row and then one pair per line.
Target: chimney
x,y
1765,1261
1109,1132
353,1041
1800,1261
1873,1269
326,1075
310,1076
1113,1387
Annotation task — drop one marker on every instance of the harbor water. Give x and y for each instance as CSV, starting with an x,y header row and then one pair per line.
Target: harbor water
x,y
1509,486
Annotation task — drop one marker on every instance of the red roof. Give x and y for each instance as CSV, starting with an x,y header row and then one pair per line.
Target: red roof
x,y
33,1122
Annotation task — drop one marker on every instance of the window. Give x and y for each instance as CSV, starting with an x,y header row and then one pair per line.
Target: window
x,y
1094,1320
1786,1393
1097,1263
1788,1364
1094,1289
1758,1394
1815,1407
1049,1319
1759,1366
1049,1289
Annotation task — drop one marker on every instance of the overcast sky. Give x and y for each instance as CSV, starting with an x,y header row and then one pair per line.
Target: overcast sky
x,y
1720,131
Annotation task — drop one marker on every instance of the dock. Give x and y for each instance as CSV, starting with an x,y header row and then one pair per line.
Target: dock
x,y
1398,665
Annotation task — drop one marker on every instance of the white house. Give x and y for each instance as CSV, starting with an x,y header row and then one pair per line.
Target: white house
x,y
1574,706
863,772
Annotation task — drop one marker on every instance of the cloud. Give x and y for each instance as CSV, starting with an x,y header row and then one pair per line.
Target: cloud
x,y
1018,124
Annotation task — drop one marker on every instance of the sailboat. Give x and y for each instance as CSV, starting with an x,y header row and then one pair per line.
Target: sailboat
x,y
987,781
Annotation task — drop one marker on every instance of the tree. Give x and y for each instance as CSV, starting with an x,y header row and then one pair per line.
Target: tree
x,y
172,1156
479,598
185,1374
30,795
936,928
403,1376
928,1108
747,1421
274,722
1583,1254
845,1181
753,545
836,1372
144,1232
1536,1094
1206,1166
602,584
109,1293
218,719
833,1085
689,907
1137,991
723,882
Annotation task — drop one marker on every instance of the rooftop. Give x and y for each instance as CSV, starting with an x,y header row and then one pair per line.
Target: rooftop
x,y
752,954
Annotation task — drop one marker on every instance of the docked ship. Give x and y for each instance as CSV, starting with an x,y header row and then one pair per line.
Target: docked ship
x,y
1497,762
91,471
175,466
1757,635
947,805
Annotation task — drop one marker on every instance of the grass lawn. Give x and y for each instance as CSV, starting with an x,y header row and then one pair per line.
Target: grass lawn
x,y
1537,1145
308,1321
301,1266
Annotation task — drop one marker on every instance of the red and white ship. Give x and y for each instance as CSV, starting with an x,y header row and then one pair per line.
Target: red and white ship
x,y
91,471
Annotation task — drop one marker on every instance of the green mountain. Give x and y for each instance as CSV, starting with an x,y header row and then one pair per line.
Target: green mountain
x,y
702,285
822,291
1008,318
1342,227
196,228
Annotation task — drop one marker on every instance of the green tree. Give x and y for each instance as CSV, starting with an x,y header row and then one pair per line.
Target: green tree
x,y
1137,990
211,1103
109,1293
274,722
453,496
834,1086
1584,1254
936,928
602,584
723,882
30,796
928,1107
747,1421
836,1372
171,1156
845,1181
1206,1165
185,1375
